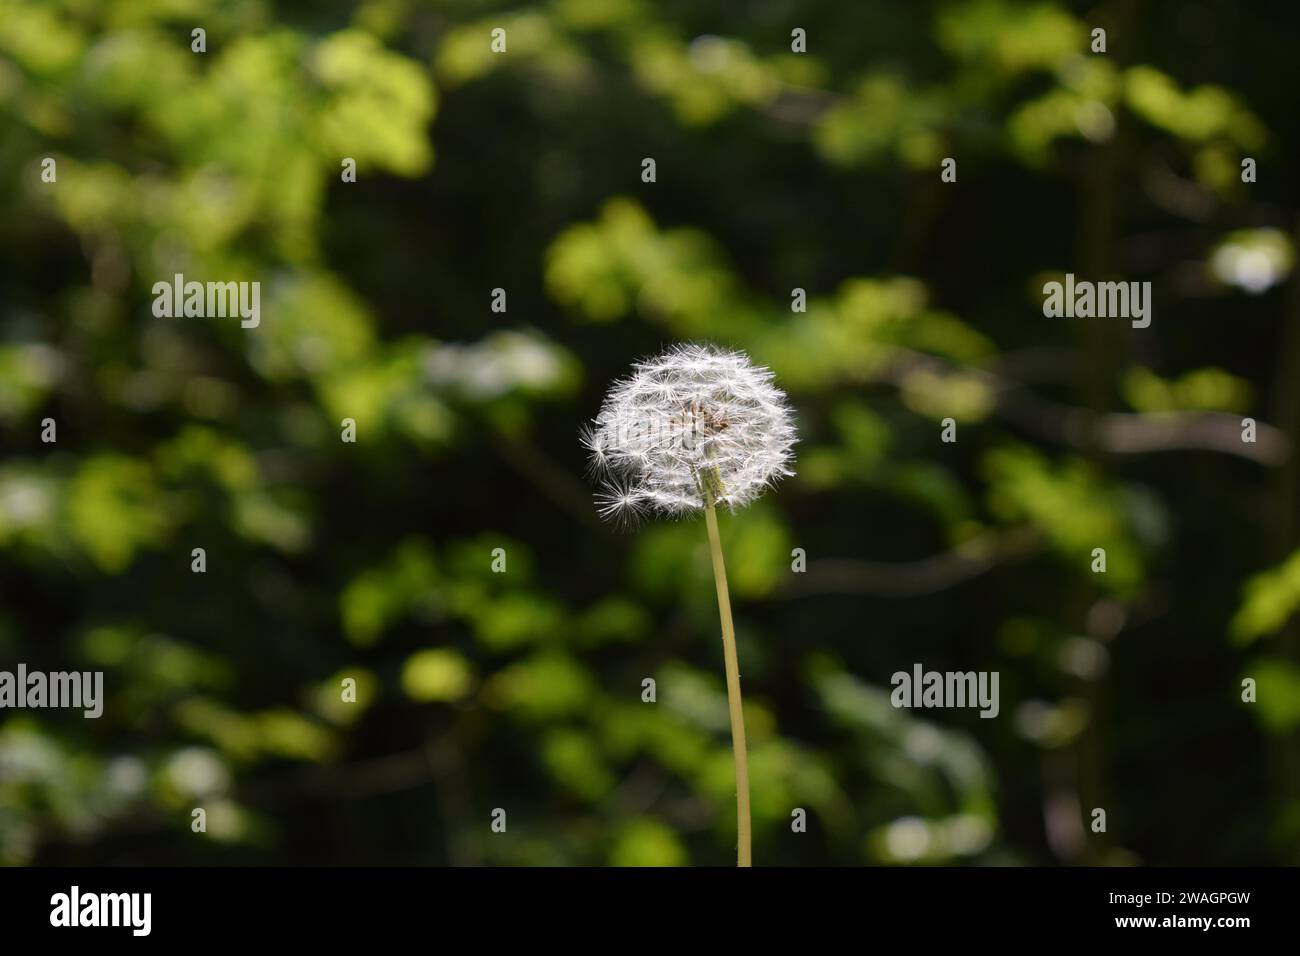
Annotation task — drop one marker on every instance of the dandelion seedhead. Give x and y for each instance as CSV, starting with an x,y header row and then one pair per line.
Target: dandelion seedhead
x,y
694,423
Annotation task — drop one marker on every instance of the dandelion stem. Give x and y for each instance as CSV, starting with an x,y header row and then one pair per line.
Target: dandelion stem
x,y
744,853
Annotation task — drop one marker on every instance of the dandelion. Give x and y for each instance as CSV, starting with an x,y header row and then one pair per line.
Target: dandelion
x,y
689,430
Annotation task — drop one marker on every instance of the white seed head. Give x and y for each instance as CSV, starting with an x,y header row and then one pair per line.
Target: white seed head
x,y
693,422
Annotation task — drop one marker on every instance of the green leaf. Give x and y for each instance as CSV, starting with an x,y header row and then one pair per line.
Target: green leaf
x,y
1268,600
439,674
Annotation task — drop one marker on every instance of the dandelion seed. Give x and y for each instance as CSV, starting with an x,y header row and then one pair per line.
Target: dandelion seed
x,y
622,505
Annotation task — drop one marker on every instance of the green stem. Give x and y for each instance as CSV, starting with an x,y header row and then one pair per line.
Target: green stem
x,y
744,852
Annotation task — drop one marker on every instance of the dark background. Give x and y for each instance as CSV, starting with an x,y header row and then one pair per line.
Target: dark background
x,y
522,171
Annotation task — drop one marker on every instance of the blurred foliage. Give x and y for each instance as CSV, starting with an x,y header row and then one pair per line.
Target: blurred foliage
x,y
351,681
